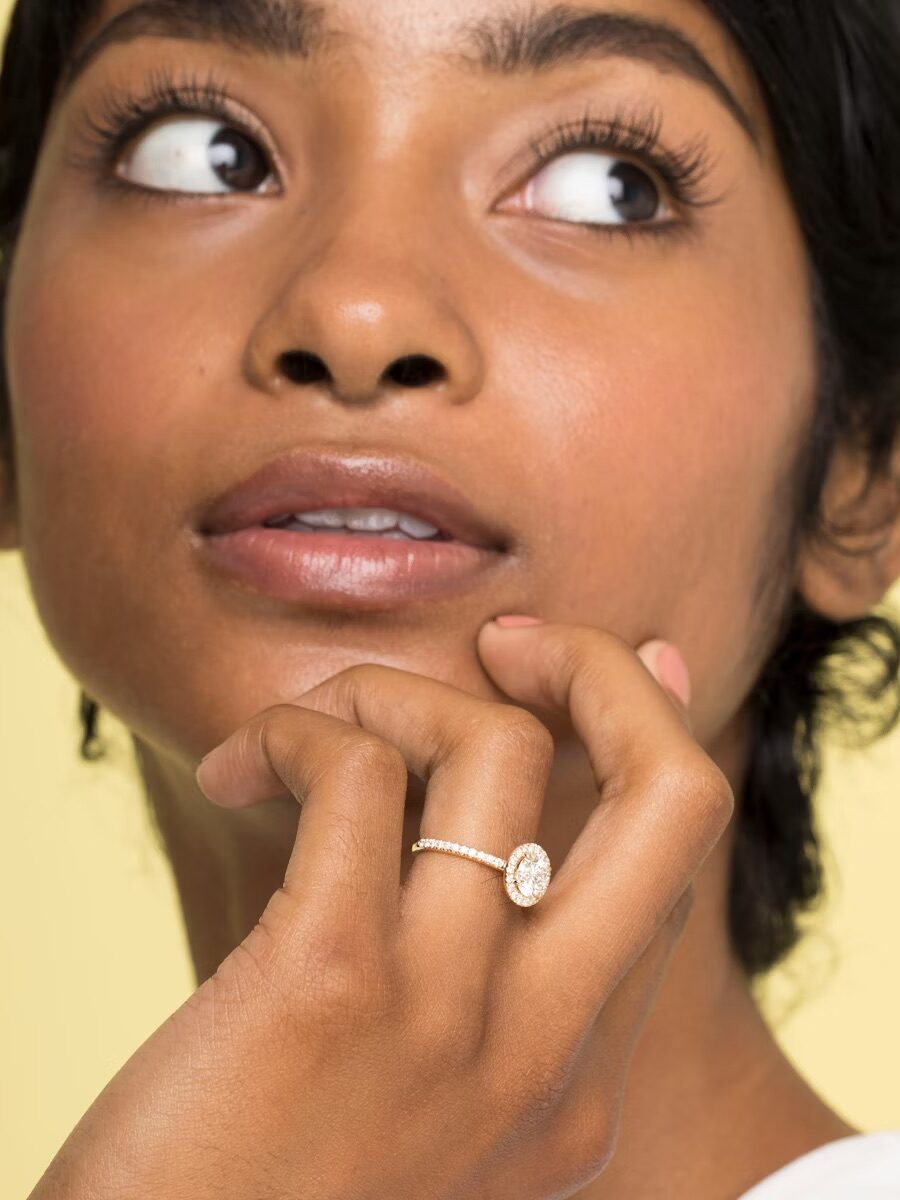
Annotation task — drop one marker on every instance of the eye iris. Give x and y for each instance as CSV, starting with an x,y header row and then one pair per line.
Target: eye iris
x,y
236,160
632,192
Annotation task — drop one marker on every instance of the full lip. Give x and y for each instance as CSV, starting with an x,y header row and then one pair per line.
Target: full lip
x,y
305,479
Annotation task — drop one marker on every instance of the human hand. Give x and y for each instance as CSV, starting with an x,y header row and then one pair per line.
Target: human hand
x,y
373,1039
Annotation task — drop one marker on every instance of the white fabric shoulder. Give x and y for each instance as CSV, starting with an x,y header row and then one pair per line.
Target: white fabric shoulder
x,y
862,1166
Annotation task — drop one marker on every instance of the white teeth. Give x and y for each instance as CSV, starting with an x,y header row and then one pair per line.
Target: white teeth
x,y
367,520
370,519
324,518
415,527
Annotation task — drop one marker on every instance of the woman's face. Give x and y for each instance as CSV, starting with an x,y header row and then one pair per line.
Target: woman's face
x,y
623,376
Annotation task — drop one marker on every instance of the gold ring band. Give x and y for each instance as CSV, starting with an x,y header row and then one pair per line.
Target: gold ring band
x,y
526,873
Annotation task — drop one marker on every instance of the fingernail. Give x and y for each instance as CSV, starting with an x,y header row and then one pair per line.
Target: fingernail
x,y
198,770
197,776
514,620
674,673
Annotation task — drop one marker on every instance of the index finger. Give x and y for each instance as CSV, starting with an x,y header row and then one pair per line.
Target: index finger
x,y
485,765
663,802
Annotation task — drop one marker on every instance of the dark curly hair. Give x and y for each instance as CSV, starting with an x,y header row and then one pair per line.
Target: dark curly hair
x,y
829,73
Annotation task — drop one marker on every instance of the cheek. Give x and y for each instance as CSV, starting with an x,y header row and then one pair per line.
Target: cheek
x,y
100,364
675,418
92,358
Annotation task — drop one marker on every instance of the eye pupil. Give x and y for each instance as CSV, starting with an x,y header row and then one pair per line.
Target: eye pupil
x,y
237,160
632,192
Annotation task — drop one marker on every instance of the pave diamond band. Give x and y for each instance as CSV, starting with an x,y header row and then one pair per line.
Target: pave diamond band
x,y
526,873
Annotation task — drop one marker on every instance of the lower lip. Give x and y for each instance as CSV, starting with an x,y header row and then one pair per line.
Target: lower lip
x,y
346,571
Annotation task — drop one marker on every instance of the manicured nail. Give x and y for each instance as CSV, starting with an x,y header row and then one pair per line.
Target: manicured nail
x,y
674,673
514,620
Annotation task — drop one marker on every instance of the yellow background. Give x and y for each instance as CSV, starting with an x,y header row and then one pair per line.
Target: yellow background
x,y
95,957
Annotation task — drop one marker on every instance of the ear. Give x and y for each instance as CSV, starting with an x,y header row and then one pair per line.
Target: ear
x,y
846,574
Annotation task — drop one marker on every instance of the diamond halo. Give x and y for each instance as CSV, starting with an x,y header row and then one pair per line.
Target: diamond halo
x,y
527,874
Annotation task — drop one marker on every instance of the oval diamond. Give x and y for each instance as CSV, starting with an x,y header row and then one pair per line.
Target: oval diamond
x,y
527,873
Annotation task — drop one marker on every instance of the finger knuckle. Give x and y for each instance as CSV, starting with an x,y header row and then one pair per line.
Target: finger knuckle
x,y
586,1138
529,1075
517,732
359,677
365,672
366,754
275,730
697,784
251,739
335,974
713,794
534,1089
278,719
449,1034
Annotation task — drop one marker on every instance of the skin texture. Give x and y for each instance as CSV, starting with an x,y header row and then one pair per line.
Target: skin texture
x,y
630,412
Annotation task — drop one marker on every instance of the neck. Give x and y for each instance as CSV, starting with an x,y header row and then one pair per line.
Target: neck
x,y
712,1104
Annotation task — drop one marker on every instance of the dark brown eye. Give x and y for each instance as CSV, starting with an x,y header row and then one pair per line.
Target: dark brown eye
x,y
237,160
632,192
198,155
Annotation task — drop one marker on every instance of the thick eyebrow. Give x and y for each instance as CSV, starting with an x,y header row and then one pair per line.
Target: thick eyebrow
x,y
563,34
295,28
508,45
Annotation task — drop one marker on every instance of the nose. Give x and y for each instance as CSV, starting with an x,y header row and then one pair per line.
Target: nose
x,y
362,318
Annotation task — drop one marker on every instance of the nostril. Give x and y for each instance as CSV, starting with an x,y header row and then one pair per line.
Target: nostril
x,y
412,370
302,367
416,370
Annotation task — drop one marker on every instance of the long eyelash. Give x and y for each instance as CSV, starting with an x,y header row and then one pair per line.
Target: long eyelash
x,y
635,132
122,116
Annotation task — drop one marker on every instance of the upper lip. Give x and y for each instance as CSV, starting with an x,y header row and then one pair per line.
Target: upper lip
x,y
304,480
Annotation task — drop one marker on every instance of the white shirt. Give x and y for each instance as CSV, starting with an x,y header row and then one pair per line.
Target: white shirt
x,y
862,1166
